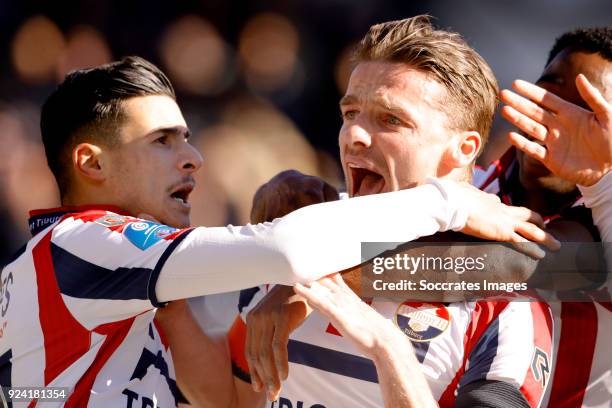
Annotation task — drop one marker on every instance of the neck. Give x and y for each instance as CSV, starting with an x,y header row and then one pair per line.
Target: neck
x,y
77,197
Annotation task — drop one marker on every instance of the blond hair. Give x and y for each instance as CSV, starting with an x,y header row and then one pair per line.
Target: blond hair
x,y
468,79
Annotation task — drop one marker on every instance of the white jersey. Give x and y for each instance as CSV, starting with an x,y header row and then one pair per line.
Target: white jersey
x,y
77,304
78,313
456,344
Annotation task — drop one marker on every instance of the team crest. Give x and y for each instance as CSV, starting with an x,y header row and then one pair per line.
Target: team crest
x,y
422,322
144,234
111,220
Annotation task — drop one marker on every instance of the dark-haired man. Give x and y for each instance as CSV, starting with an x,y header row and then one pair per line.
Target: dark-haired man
x,y
571,146
78,301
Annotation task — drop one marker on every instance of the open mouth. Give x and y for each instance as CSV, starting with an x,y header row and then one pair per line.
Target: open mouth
x,y
181,194
365,181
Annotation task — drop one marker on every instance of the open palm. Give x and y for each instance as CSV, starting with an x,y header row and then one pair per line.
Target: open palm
x,y
572,142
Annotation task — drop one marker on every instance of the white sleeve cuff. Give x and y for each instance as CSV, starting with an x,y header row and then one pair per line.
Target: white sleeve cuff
x,y
457,207
599,192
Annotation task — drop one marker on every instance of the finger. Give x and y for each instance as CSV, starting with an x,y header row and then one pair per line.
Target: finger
x,y
528,147
330,193
264,360
338,280
527,125
525,214
527,107
535,234
593,97
540,95
341,285
530,249
250,353
279,348
318,298
314,295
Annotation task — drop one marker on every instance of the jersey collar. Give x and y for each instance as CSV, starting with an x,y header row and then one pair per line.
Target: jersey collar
x,y
41,219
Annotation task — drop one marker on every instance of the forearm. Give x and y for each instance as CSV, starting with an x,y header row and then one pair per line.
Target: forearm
x,y
306,244
193,351
400,376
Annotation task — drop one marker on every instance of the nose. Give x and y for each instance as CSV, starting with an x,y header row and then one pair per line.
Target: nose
x,y
358,136
190,158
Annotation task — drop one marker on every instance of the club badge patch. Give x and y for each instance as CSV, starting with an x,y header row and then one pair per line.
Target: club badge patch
x,y
144,234
422,322
111,220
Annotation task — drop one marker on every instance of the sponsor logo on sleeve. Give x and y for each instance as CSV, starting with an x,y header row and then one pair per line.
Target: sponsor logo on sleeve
x,y
144,234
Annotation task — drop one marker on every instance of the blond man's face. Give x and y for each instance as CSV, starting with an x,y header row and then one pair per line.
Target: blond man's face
x,y
394,132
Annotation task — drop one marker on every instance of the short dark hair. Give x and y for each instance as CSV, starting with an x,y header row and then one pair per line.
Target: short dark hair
x,y
86,106
589,40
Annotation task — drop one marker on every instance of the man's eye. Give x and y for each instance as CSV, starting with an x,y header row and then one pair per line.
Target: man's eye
x,y
349,115
162,140
393,120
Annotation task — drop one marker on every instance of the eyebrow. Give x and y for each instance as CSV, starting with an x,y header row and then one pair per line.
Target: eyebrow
x,y
173,130
403,112
377,100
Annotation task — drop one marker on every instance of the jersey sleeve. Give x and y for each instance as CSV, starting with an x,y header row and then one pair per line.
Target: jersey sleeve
x,y
308,243
106,265
237,333
516,348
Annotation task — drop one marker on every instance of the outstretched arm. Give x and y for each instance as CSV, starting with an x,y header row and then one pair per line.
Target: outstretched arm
x,y
400,376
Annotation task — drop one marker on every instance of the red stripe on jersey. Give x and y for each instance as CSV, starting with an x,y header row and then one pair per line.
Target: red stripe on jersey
x,y
332,330
65,339
236,337
575,354
484,313
115,333
534,384
162,335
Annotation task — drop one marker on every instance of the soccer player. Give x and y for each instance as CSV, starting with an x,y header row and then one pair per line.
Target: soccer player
x,y
582,361
571,144
419,103
79,299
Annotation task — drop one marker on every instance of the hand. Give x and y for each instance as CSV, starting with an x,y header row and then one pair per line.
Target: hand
x,y
271,322
492,220
573,143
269,325
354,319
288,191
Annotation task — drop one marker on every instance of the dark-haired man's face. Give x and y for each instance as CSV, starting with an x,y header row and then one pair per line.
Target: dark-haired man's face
x,y
559,77
150,171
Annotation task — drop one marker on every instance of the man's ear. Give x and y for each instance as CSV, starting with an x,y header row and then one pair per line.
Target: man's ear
x,y
464,148
86,161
